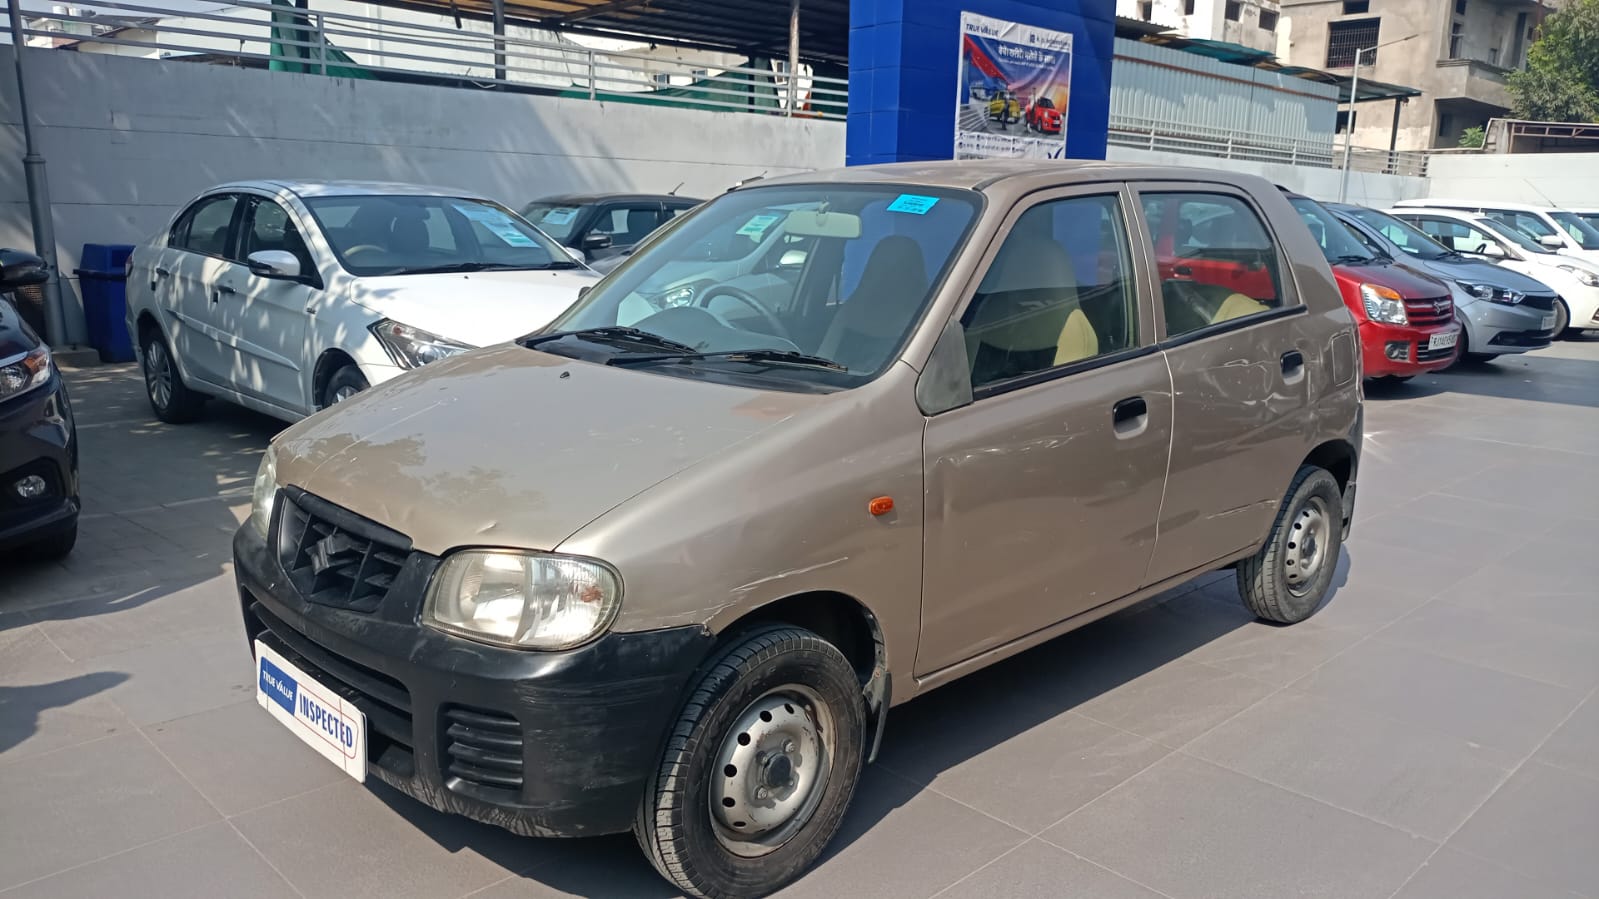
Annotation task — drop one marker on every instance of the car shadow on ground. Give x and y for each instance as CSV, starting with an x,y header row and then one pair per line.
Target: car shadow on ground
x,y
22,706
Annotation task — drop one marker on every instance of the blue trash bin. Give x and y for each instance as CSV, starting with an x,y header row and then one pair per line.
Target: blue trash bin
x,y
103,279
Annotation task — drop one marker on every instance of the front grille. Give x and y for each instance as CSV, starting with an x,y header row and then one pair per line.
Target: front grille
x,y
1544,303
334,557
482,751
1430,311
1425,355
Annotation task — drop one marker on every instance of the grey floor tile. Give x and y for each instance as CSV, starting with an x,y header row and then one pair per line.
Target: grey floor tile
x,y
56,713
199,672
1038,870
1192,830
869,857
1455,875
1543,823
1364,598
1500,518
1561,597
91,628
1441,543
1025,774
205,863
383,845
1491,708
1420,781
1176,703
81,804
603,866
1531,649
1273,653
1575,746
240,757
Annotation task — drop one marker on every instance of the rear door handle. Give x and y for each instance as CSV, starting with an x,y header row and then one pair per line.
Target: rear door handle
x,y
161,272
1130,416
1293,363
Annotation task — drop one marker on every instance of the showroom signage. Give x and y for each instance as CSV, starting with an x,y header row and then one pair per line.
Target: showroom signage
x,y
1015,85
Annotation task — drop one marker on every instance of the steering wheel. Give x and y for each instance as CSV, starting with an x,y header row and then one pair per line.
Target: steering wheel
x,y
748,299
363,248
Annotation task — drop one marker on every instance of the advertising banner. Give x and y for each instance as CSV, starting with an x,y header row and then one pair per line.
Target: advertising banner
x,y
1015,85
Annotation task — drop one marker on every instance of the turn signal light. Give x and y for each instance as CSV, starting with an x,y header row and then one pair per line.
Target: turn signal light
x,y
882,505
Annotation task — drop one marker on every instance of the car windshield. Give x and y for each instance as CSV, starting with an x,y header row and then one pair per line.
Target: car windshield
x,y
1337,244
391,234
1579,230
1519,238
1592,218
555,219
1402,235
821,287
1046,103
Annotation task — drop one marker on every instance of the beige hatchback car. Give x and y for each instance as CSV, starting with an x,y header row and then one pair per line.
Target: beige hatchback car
x,y
665,566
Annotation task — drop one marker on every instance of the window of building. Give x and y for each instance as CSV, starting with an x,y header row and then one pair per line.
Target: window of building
x,y
1146,10
1455,38
1345,39
1460,7
1234,10
662,79
1268,19
1188,7
1216,261
1446,124
1356,7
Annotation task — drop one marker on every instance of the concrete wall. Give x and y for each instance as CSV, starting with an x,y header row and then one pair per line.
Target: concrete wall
x,y
1209,20
1365,188
1558,179
129,140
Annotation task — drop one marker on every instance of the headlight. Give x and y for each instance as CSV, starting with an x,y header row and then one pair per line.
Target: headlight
x,y
1492,294
1586,277
22,373
682,296
413,347
1383,304
265,491
523,600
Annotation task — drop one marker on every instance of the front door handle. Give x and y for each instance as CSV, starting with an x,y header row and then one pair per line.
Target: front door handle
x,y
1293,363
161,272
225,290
1130,416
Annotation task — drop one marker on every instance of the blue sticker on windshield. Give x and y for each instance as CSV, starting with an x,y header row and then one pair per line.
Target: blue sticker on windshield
x,y
913,204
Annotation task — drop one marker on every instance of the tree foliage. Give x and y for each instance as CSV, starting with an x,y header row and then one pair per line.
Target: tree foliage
x,y
1561,81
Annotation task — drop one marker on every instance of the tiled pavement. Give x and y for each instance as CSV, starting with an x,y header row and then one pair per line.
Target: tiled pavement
x,y
1433,733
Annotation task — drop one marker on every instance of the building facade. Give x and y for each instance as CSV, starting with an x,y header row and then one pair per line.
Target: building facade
x,y
1457,52
1253,23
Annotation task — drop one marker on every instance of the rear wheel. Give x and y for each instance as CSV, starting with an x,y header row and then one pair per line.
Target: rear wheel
x,y
759,769
170,399
1286,581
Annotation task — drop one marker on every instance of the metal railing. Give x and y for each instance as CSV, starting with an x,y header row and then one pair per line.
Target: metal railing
x,y
262,35
1196,140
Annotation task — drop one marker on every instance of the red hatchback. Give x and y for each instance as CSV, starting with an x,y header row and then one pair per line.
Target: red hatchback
x,y
1407,319
1043,116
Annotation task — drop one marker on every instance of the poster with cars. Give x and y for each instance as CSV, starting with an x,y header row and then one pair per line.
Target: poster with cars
x,y
1015,84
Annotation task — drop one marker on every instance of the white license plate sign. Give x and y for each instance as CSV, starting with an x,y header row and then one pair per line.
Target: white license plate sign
x,y
318,716
1443,341
1549,322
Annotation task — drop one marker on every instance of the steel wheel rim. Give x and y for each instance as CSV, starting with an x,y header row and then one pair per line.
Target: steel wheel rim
x,y
771,771
1308,541
158,374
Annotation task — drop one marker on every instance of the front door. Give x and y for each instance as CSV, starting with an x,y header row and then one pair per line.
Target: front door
x,y
1234,339
195,260
265,318
1042,493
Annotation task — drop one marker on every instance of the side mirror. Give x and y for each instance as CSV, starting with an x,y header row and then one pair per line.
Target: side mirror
x,y
793,259
576,254
1492,251
19,269
596,241
1552,241
277,264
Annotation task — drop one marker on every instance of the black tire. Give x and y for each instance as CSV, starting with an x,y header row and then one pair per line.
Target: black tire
x,y
1562,319
55,546
675,825
1394,379
1268,581
170,399
347,381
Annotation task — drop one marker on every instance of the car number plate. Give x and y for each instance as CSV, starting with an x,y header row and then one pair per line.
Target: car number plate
x,y
1549,322
1443,341
318,716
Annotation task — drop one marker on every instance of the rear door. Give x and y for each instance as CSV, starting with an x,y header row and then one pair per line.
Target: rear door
x,y
264,320
1043,492
1229,328
196,260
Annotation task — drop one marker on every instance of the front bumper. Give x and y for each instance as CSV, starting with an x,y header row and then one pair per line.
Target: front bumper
x,y
1499,329
1376,341
38,438
568,739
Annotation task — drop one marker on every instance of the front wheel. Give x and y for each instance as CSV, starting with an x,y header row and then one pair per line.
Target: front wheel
x,y
1562,319
759,768
345,383
1286,581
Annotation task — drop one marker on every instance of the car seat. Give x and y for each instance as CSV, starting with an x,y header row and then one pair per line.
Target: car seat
x,y
1025,317
877,313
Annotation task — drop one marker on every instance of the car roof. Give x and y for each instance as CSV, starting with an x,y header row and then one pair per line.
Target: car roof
x,y
1448,203
344,188
588,199
1012,177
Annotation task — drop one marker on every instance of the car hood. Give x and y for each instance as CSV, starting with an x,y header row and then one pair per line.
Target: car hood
x,y
516,448
1410,283
478,308
1477,271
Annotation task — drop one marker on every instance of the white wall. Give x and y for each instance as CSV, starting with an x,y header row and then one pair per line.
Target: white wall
x,y
1365,188
1557,179
128,140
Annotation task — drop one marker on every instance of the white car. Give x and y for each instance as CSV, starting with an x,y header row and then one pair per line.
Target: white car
x,y
1560,230
287,297
1575,280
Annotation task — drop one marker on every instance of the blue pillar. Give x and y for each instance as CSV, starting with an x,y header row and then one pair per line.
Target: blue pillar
x,y
904,59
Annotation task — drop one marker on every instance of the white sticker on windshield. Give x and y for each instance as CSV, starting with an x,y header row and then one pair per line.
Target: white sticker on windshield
x,y
756,227
496,222
559,217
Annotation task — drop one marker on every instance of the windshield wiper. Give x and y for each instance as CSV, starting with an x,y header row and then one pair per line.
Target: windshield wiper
x,y
480,267
614,334
1351,259
776,357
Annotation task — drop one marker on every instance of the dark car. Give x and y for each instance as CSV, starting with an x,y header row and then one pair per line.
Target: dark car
x,y
38,440
604,226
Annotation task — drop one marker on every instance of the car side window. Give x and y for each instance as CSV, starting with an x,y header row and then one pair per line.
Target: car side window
x,y
1457,236
1217,261
1524,222
204,228
1060,291
271,228
628,225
